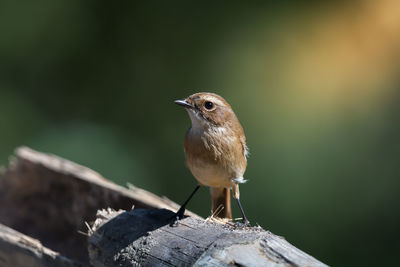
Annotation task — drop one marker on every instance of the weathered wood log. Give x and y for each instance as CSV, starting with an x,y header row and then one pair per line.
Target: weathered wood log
x,y
145,238
19,250
49,199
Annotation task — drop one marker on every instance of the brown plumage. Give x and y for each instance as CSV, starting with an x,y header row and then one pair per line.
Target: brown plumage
x,y
215,148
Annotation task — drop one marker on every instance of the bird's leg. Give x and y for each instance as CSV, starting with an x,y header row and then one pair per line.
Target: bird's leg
x,y
236,195
179,214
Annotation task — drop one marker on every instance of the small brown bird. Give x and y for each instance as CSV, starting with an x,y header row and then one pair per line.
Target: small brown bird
x,y
216,151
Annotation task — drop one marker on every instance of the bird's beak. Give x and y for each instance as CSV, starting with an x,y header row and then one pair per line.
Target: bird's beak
x,y
184,103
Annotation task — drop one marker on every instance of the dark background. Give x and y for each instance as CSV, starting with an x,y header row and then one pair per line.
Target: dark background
x,y
315,85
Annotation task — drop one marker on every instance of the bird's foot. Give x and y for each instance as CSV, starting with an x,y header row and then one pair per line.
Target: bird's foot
x,y
244,223
176,217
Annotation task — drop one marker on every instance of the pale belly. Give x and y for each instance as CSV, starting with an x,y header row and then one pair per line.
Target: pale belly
x,y
210,174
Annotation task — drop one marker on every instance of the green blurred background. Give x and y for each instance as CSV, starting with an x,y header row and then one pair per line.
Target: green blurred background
x,y
315,85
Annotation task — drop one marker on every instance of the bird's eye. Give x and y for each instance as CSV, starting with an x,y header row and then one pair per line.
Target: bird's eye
x,y
208,105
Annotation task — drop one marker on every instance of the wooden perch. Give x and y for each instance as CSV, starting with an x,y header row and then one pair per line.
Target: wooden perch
x,y
145,238
46,200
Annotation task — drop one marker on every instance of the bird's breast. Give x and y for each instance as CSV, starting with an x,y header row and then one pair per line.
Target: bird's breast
x,y
214,156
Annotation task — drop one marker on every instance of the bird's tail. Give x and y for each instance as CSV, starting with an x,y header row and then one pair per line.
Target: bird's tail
x,y
221,197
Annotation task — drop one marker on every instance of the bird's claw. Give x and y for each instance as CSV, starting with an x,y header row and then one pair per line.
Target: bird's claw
x,y
179,215
244,223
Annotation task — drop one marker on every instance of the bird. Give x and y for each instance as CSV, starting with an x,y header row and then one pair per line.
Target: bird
x,y
215,151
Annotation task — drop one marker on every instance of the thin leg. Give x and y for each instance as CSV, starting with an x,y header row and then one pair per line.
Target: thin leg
x,y
236,194
179,214
245,221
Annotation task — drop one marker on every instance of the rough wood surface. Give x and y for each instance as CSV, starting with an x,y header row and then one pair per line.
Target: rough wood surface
x,y
145,238
49,199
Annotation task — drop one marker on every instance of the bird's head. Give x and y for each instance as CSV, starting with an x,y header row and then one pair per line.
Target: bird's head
x,y
209,110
